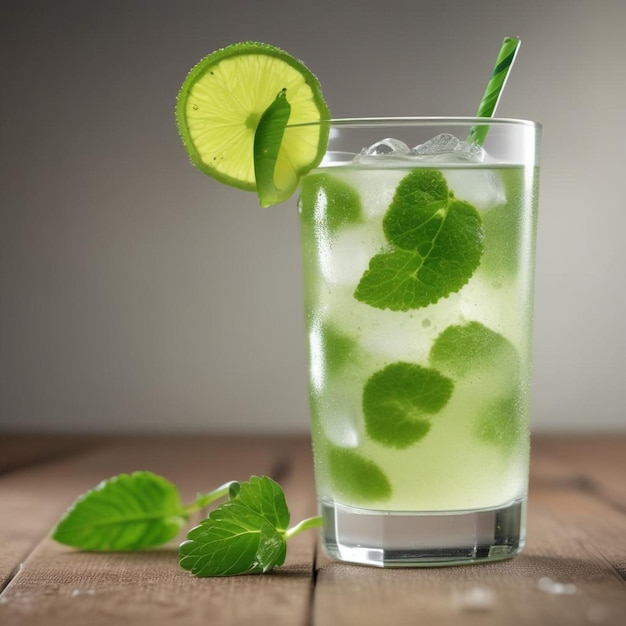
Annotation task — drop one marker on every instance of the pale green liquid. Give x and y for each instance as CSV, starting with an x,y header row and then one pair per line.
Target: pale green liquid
x,y
456,466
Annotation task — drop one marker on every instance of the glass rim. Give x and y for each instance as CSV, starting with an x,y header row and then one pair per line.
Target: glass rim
x,y
372,122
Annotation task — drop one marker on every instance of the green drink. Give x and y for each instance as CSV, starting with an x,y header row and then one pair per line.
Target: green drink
x,y
418,269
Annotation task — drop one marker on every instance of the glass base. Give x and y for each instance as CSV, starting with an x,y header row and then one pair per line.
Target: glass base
x,y
407,539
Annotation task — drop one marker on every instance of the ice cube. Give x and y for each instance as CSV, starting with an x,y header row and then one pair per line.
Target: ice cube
x,y
441,143
389,336
485,190
386,147
445,145
376,186
347,254
339,422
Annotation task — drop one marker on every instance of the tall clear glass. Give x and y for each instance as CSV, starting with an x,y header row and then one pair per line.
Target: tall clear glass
x,y
418,275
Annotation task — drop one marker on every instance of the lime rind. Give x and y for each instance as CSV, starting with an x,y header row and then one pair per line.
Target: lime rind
x,y
223,98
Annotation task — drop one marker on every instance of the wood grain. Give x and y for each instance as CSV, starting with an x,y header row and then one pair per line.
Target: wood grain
x,y
572,571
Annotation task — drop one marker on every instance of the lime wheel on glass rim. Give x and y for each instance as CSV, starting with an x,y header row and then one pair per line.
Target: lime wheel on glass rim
x,y
232,111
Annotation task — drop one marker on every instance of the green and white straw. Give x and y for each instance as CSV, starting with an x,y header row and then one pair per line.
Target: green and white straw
x,y
496,83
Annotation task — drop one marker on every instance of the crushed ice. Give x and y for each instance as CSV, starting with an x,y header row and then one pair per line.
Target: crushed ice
x,y
386,147
446,144
443,147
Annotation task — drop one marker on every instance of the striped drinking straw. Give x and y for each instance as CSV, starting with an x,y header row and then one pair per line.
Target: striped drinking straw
x,y
496,83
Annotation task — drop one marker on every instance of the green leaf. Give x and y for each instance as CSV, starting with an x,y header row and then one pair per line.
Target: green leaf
x,y
338,349
437,243
488,361
329,202
415,214
126,512
507,224
462,350
245,535
399,400
268,138
355,477
502,421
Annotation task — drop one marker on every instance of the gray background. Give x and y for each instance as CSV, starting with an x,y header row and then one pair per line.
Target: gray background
x,y
138,294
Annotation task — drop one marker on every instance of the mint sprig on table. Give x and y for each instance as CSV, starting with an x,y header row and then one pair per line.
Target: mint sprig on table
x,y
246,534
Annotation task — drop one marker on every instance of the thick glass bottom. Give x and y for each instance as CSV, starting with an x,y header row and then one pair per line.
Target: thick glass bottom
x,y
409,539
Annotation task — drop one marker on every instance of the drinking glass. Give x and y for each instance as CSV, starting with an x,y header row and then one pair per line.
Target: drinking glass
x,y
418,258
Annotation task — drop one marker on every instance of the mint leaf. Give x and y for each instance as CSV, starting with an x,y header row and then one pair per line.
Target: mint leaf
x,y
337,348
461,350
399,400
415,214
245,535
437,243
126,512
356,477
507,225
486,360
329,202
267,141
501,422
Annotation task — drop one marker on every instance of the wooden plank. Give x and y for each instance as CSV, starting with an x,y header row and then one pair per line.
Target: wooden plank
x,y
579,483
569,573
58,585
36,491
596,464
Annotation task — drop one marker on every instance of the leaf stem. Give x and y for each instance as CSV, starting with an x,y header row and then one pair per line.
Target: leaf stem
x,y
204,500
306,524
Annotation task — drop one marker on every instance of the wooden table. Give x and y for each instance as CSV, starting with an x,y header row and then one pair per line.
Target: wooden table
x,y
572,572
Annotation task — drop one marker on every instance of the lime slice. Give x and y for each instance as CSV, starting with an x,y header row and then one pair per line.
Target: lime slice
x,y
222,101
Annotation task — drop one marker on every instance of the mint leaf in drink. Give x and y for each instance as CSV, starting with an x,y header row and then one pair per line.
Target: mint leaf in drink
x,y
472,351
126,512
502,421
356,477
336,347
437,243
245,535
415,214
330,202
399,401
462,350
505,228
